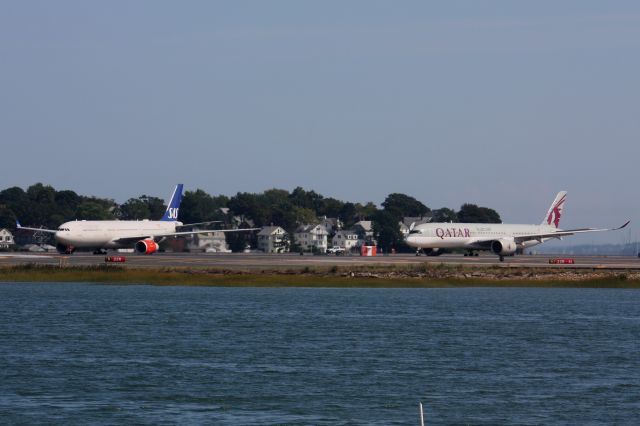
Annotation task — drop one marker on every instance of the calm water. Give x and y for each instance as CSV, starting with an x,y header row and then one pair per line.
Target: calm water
x,y
95,354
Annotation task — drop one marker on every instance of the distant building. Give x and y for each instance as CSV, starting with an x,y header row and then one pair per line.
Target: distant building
x,y
211,242
273,239
347,239
312,238
331,224
364,229
6,239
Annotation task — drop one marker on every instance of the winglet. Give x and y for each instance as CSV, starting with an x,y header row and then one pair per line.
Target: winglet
x,y
18,224
625,224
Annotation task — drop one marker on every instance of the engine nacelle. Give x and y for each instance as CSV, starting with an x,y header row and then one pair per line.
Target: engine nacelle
x,y
504,247
147,246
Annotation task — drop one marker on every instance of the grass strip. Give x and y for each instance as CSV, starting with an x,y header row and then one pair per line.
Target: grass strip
x,y
306,277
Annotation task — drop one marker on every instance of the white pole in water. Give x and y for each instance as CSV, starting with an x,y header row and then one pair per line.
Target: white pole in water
x,y
421,415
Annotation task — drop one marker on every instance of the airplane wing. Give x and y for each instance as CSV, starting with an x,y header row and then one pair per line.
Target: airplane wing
x,y
198,223
51,231
486,242
562,233
133,239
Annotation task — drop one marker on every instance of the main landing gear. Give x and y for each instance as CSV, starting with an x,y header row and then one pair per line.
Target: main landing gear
x,y
470,253
100,251
501,258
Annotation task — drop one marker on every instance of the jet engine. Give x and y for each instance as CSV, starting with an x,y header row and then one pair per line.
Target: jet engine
x,y
147,246
504,247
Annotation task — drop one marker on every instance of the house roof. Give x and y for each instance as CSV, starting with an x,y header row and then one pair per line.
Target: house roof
x,y
367,225
334,221
311,228
268,230
347,232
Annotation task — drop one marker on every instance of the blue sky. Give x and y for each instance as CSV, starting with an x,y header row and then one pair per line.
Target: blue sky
x,y
498,103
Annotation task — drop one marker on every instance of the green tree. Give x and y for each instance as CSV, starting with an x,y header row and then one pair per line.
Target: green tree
x,y
305,216
348,214
444,215
307,199
250,206
471,213
365,212
134,209
386,230
17,204
93,209
198,206
41,205
331,208
7,218
401,205
156,206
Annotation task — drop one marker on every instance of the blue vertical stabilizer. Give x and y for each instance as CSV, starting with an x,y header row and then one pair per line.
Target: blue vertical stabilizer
x,y
171,214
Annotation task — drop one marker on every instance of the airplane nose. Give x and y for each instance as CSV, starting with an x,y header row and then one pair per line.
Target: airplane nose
x,y
411,241
59,237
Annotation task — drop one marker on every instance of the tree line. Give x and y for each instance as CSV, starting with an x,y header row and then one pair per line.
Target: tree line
x,y
42,205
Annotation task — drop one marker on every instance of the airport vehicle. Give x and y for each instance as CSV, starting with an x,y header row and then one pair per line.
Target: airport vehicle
x,y
335,250
501,239
143,235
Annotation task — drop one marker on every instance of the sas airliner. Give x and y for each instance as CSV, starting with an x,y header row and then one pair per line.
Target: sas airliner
x,y
501,239
143,235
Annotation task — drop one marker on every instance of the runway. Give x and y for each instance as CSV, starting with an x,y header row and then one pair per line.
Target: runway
x,y
256,261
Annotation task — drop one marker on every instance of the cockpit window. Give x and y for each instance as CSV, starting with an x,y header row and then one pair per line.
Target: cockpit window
x,y
415,231
63,229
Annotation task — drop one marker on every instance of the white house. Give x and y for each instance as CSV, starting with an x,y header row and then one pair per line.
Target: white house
x,y
364,228
273,239
331,224
312,236
347,239
6,238
213,242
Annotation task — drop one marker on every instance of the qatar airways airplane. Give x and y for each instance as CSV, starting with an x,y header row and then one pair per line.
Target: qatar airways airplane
x,y
501,239
142,235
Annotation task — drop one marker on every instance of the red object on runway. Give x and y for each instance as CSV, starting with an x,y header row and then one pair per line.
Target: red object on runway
x,y
559,261
115,259
368,251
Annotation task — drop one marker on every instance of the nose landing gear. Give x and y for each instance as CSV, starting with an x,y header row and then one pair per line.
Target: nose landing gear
x,y
64,249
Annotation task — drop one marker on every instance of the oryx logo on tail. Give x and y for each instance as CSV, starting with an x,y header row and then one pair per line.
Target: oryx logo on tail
x,y
555,211
171,214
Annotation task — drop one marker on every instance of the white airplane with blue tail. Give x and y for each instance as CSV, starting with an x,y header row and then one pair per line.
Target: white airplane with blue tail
x,y
143,235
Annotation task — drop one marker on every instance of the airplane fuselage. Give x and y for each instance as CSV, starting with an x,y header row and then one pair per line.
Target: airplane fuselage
x,y
103,234
467,235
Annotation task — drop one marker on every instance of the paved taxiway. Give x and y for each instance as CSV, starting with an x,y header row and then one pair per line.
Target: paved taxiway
x,y
253,261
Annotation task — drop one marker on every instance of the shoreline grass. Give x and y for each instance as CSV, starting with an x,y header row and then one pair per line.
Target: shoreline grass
x,y
305,277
